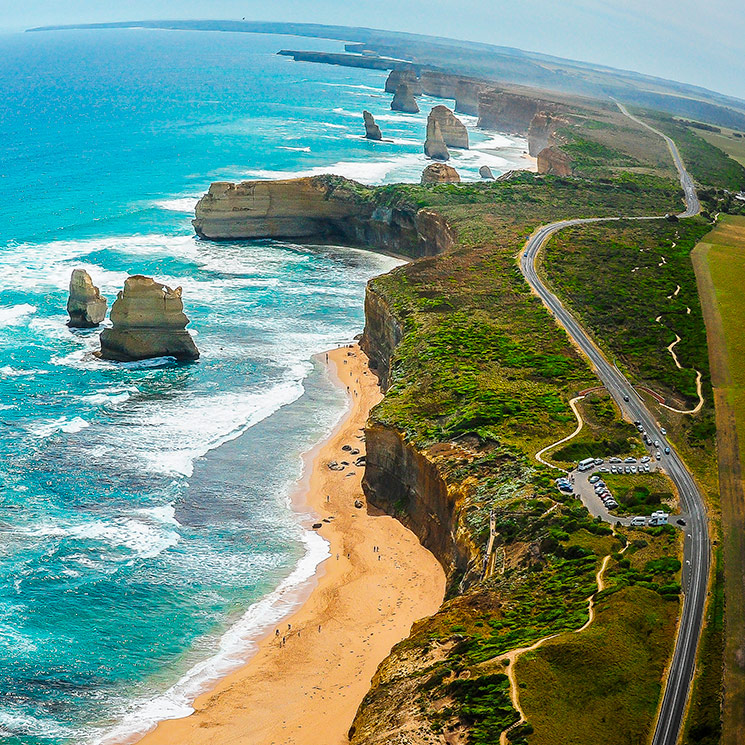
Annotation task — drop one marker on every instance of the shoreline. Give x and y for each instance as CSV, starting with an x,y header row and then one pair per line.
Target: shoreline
x,y
304,684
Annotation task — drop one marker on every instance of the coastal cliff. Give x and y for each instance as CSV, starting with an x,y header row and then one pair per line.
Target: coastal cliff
x,y
542,131
554,162
510,112
321,208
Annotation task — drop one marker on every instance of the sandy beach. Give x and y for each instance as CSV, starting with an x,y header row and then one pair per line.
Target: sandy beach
x,y
304,684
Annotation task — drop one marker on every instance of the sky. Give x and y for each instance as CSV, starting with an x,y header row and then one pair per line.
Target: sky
x,y
686,40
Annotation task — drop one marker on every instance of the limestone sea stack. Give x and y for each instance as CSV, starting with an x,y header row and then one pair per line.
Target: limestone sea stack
x,y
372,130
85,305
555,162
148,321
440,173
434,145
454,132
403,100
485,173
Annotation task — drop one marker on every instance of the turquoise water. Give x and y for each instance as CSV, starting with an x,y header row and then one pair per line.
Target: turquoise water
x,y
146,536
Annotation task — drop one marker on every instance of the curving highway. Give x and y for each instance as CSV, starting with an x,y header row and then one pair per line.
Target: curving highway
x,y
696,547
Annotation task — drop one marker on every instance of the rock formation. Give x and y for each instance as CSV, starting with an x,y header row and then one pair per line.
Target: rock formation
x,y
85,305
553,161
148,321
542,131
403,100
440,173
396,77
510,112
327,208
454,132
485,172
372,130
434,145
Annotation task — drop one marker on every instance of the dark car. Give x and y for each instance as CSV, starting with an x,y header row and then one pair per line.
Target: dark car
x,y
680,521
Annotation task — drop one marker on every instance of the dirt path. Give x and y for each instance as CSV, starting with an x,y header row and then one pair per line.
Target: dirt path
x,y
511,657
580,424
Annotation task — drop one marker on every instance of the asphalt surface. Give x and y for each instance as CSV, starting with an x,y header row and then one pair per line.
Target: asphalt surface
x,y
696,546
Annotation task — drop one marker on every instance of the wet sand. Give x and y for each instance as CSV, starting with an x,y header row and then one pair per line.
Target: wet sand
x,y
303,686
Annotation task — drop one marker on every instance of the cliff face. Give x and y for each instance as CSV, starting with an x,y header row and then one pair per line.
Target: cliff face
x,y
148,321
553,161
454,132
510,112
85,305
406,483
396,77
319,208
542,131
383,333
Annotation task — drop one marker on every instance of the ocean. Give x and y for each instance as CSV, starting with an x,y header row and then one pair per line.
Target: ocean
x,y
147,537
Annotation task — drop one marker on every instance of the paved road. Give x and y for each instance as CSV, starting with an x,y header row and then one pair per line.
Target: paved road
x,y
697,550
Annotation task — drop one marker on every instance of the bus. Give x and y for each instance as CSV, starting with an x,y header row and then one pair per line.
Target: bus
x,y
586,464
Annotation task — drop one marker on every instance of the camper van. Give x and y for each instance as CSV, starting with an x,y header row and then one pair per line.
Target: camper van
x,y
638,522
659,518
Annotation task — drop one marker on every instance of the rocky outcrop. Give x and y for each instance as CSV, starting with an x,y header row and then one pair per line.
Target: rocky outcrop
x,y
85,305
434,145
397,77
485,173
510,112
542,131
440,173
148,321
372,130
467,94
383,333
405,482
403,100
454,132
555,162
324,208
289,208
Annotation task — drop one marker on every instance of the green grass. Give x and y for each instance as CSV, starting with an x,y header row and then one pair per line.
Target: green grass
x,y
733,146
641,494
603,685
619,279
708,164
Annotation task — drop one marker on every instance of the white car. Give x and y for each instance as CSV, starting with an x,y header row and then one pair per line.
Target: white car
x,y
645,459
594,479
663,430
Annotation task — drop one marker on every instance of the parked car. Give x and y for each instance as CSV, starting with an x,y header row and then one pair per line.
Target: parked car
x,y
614,459
594,479
646,459
604,469
599,461
627,469
658,455
613,469
633,469
630,460
663,430
638,521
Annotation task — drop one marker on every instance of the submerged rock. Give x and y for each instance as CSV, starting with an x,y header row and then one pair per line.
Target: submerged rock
x,y
403,100
149,321
372,130
86,306
440,173
485,172
434,145
454,132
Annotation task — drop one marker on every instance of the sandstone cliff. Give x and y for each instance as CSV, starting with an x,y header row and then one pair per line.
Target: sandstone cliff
x,y
553,161
396,77
325,208
148,321
542,131
510,112
372,130
440,173
454,132
85,305
434,145
403,100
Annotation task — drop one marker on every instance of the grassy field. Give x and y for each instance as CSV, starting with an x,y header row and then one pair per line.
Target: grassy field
x,y
642,493
565,697
720,263
733,146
